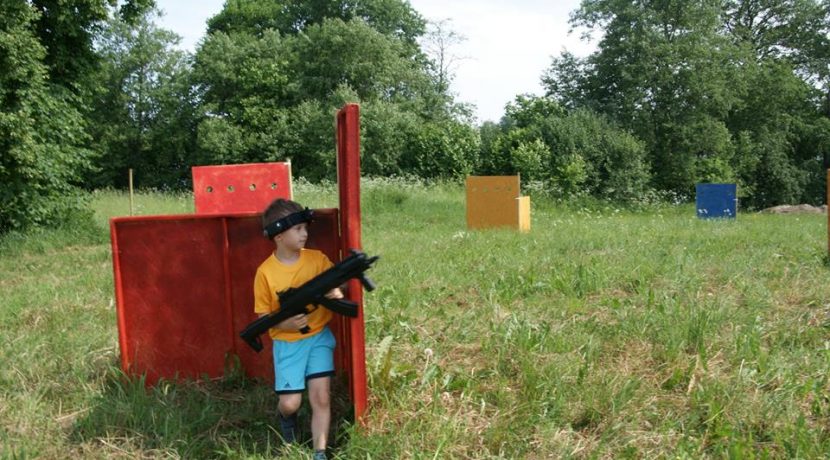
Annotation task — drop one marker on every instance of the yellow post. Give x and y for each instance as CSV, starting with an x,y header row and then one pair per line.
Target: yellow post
x,y
524,213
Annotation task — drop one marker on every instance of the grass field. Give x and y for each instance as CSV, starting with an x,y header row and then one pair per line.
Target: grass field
x,y
603,333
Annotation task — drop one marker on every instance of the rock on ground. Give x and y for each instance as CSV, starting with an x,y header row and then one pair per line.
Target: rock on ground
x,y
798,208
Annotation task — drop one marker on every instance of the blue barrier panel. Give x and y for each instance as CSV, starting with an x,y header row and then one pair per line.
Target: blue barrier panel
x,y
716,201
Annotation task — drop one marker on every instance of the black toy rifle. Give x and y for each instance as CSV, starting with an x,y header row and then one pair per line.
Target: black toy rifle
x,y
304,299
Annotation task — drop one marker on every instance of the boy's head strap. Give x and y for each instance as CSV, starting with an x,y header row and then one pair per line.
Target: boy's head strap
x,y
280,225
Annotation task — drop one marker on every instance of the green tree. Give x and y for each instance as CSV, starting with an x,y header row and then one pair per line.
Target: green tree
x,y
47,62
246,93
702,82
489,161
387,131
662,68
787,47
374,65
41,131
393,18
67,29
271,77
793,31
143,113
773,119
442,149
573,153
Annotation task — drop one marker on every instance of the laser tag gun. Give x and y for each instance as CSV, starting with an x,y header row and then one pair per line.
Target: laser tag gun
x,y
306,298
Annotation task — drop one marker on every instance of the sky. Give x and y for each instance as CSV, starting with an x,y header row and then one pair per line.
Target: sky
x,y
507,44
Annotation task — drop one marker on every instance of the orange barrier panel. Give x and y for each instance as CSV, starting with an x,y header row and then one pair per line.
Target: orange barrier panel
x,y
240,188
494,201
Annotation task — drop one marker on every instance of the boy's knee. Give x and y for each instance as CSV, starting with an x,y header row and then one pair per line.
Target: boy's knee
x,y
319,399
290,403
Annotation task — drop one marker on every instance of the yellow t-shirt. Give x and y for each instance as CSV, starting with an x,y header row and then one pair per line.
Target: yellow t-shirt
x,y
273,276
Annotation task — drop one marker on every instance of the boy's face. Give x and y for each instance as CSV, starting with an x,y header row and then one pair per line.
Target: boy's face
x,y
294,238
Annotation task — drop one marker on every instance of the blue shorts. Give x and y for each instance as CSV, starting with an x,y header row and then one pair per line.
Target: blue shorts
x,y
305,359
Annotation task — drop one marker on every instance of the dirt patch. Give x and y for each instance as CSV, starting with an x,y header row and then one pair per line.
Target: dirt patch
x,y
798,208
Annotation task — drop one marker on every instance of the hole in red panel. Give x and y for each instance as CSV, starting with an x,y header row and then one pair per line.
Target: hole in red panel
x,y
252,187
273,185
230,188
209,189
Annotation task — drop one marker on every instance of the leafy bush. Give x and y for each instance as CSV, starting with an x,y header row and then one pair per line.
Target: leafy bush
x,y
442,149
386,132
574,153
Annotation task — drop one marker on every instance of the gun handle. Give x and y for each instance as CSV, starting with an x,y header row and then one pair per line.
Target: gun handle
x,y
340,306
367,283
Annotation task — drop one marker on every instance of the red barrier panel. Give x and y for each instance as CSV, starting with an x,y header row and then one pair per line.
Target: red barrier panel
x,y
184,290
226,189
184,284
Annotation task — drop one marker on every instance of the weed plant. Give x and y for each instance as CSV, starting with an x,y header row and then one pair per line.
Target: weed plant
x,y
601,333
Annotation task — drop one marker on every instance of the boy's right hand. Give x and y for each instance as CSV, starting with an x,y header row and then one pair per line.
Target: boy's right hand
x,y
294,323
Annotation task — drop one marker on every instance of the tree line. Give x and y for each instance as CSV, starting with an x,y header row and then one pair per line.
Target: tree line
x,y
677,92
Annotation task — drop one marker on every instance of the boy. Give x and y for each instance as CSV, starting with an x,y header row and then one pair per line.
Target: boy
x,y
299,358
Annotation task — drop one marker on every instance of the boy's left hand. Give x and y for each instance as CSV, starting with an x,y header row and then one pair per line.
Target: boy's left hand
x,y
335,293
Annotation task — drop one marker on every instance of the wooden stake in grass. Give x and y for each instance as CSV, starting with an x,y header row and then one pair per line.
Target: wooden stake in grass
x,y
290,180
131,190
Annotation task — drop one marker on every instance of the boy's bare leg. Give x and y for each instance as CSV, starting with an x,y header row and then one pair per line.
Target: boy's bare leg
x,y
289,404
319,395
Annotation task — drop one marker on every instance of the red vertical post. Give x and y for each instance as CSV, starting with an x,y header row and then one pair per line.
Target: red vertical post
x,y
348,180
119,296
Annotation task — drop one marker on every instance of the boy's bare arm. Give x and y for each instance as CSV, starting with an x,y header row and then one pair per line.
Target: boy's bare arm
x,y
335,293
293,323
300,321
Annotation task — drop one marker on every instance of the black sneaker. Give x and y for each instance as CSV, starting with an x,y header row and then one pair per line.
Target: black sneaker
x,y
288,427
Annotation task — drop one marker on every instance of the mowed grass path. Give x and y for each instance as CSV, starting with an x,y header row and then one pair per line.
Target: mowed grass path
x,y
602,333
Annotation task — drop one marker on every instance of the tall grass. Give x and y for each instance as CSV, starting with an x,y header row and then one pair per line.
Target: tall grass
x,y
603,332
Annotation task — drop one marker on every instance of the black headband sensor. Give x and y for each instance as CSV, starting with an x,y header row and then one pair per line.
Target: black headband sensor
x,y
280,225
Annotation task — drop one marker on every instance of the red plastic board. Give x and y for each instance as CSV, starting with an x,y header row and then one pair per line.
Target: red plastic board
x,y
228,189
184,283
348,181
184,290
